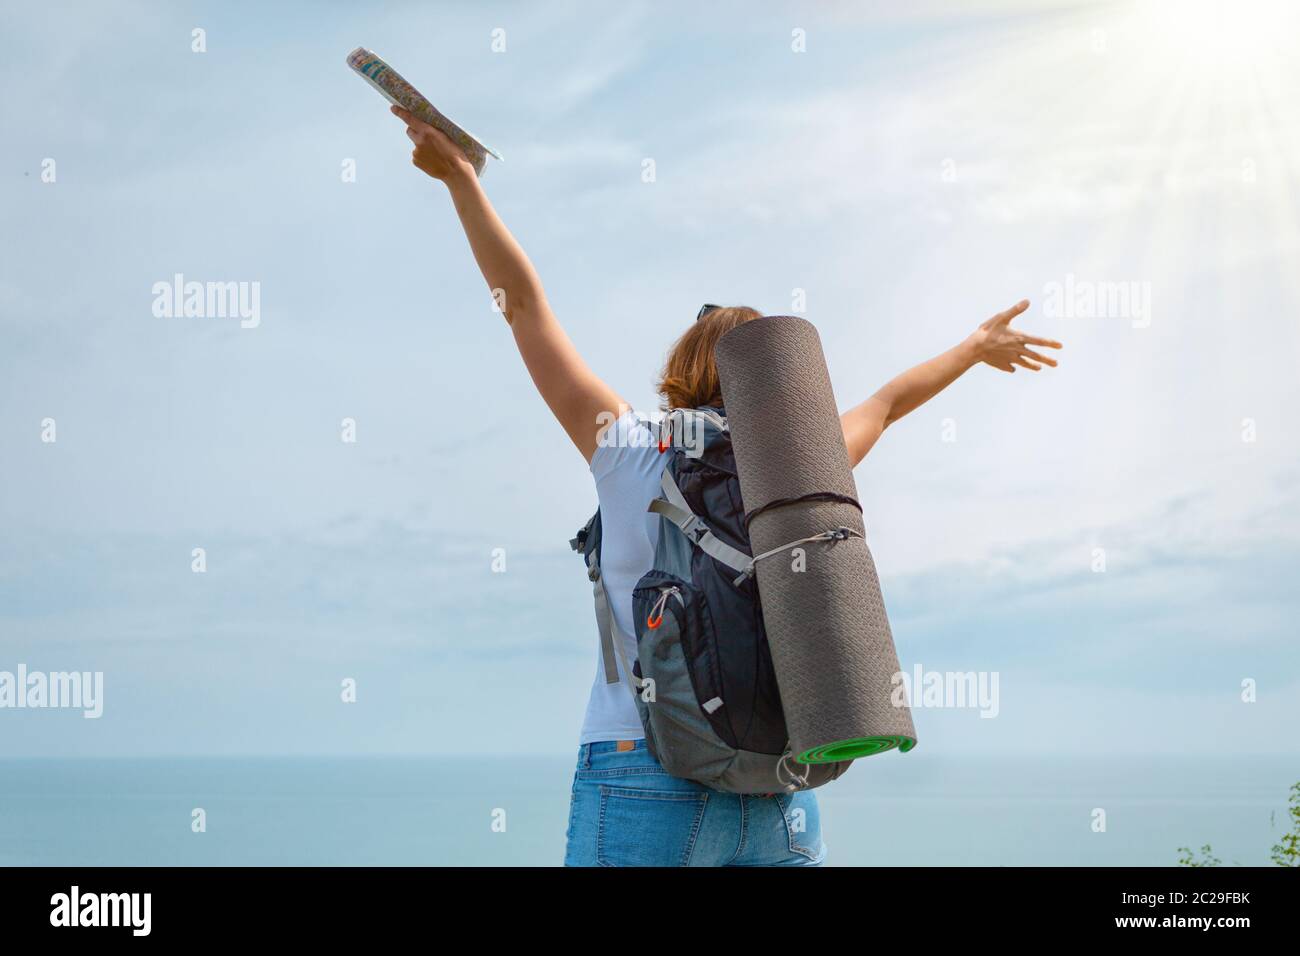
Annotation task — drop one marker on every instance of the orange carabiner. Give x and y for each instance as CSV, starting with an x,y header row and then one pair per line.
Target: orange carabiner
x,y
654,622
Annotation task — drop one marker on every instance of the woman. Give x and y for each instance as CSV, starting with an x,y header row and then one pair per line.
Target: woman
x,y
625,809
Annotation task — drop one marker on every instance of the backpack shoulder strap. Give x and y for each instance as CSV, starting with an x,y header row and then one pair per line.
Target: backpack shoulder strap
x,y
612,650
674,506
612,653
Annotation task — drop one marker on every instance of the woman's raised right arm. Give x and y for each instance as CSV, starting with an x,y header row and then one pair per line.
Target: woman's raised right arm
x,y
577,397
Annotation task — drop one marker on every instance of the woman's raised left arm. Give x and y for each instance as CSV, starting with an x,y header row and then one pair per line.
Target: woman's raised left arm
x,y
994,343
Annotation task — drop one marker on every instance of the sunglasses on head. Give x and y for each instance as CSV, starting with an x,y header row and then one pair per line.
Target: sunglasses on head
x,y
705,310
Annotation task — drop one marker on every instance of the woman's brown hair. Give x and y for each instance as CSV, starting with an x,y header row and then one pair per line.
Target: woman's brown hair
x,y
690,375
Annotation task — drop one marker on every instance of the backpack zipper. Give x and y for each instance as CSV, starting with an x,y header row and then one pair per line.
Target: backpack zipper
x,y
656,616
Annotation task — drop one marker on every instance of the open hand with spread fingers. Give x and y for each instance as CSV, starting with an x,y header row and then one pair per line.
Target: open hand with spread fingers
x,y
997,344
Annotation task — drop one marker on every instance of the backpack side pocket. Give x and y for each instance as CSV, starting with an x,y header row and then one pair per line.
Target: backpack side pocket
x,y
673,653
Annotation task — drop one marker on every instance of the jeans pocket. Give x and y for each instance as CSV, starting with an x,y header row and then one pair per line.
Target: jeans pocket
x,y
648,827
803,824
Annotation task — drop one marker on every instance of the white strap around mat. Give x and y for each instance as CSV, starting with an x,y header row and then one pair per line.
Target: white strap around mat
x,y
678,511
838,534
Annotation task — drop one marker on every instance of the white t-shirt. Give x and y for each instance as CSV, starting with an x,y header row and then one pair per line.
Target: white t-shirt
x,y
627,466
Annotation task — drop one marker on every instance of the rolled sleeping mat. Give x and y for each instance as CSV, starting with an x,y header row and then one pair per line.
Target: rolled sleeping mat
x,y
831,646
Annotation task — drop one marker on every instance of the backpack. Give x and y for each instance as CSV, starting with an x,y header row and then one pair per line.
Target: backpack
x,y
703,682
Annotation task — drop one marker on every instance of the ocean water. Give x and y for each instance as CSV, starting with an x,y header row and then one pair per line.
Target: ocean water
x,y
890,810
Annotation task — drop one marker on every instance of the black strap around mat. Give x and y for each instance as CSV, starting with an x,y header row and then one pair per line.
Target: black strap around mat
x,y
811,496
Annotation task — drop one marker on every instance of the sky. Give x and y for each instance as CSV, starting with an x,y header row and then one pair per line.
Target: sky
x,y
904,170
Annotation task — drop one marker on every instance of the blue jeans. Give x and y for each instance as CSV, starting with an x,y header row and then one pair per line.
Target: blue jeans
x,y
627,811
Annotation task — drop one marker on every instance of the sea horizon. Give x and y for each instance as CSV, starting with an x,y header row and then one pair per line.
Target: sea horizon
x,y
462,810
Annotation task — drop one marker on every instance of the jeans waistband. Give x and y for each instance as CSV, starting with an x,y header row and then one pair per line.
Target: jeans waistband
x,y
597,747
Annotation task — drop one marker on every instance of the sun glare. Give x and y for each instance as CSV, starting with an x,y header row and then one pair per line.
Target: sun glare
x,y
1218,33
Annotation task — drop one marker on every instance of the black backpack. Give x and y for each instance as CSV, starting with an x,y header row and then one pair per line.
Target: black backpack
x,y
703,680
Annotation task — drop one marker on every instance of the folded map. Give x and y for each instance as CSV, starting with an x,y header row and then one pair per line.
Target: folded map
x,y
394,88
